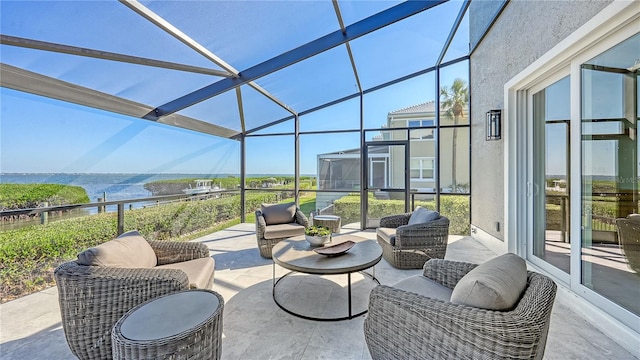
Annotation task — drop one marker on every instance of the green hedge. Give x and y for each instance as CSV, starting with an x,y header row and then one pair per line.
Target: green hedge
x,y
29,255
456,208
25,196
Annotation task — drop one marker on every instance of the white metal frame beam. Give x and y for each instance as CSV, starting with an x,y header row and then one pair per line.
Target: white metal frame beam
x,y
336,7
187,40
26,81
105,55
315,47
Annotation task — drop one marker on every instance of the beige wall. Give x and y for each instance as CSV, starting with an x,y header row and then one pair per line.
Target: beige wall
x,y
525,31
427,149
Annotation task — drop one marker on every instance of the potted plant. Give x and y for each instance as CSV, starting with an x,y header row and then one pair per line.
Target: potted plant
x,y
317,235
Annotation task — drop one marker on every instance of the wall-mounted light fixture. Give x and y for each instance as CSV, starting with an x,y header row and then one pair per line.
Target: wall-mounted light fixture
x,y
494,124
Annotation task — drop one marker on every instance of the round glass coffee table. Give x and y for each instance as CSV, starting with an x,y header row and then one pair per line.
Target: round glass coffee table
x,y
297,255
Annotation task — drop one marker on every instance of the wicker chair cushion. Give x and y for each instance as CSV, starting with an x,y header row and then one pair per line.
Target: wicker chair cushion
x,y
421,215
424,286
198,271
387,234
278,213
280,231
634,218
129,250
494,285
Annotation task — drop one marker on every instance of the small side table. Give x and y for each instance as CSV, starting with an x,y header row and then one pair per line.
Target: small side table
x,y
333,222
181,325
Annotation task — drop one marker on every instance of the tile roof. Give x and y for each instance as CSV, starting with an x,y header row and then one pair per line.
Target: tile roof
x,y
428,106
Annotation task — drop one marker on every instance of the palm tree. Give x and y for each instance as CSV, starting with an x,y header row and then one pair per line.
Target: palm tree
x,y
454,100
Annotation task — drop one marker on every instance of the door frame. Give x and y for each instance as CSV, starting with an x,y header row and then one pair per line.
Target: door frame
x,y
366,173
611,26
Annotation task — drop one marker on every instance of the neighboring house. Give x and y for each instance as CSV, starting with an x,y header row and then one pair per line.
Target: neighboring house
x,y
423,155
341,170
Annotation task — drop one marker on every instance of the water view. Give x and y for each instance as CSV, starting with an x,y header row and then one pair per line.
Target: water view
x,y
115,186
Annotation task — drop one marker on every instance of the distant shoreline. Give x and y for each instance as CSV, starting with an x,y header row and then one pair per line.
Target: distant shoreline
x,y
151,174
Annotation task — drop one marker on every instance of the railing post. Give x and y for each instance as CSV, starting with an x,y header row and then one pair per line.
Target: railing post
x,y
120,218
100,208
563,219
567,220
44,216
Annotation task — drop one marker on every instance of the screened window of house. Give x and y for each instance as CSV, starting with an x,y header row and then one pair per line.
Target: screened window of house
x,y
420,134
422,168
420,123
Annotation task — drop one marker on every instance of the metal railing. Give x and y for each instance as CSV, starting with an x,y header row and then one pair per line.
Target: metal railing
x,y
604,225
120,205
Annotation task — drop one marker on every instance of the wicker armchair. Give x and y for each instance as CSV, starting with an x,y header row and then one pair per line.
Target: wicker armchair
x,y
269,234
405,325
93,298
629,238
414,244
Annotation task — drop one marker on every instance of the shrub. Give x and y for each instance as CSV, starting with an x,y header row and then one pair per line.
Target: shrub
x,y
456,208
29,255
318,231
25,196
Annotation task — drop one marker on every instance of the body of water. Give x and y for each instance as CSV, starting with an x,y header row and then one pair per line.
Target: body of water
x,y
116,186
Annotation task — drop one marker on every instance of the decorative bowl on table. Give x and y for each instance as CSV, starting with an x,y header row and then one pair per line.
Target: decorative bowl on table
x,y
335,250
317,235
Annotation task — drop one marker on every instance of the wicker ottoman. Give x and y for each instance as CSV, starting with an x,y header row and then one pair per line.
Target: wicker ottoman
x,y
333,222
182,325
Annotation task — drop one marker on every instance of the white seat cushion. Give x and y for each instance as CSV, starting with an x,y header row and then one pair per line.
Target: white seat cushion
x,y
283,231
199,271
387,234
424,286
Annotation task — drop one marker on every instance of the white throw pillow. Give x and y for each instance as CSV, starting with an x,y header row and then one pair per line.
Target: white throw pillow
x,y
495,285
129,250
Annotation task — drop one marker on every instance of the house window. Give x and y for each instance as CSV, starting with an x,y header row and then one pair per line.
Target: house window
x,y
421,134
422,168
420,123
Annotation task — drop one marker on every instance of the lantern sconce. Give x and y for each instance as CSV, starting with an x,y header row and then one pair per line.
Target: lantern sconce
x,y
494,124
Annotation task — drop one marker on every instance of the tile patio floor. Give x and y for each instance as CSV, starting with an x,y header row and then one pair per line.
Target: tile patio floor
x,y
255,328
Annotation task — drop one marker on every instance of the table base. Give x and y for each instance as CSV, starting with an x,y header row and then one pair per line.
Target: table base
x,y
351,314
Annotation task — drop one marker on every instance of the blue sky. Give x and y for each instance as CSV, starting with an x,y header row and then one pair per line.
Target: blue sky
x,y
44,135
38,134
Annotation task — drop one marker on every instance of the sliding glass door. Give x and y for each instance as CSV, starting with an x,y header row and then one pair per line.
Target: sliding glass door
x,y
551,175
582,159
609,98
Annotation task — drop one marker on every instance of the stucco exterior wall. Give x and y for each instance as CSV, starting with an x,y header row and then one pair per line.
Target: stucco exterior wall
x,y
524,31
